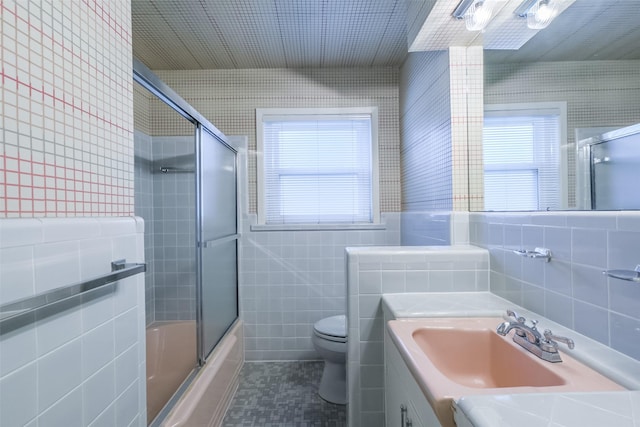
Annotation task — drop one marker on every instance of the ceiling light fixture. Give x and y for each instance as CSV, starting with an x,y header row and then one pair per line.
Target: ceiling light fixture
x,y
539,13
476,13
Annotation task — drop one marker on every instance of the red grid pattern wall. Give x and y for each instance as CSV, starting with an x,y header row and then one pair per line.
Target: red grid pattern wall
x,y
66,109
467,118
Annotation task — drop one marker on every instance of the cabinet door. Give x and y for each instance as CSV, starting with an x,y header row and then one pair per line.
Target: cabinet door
x,y
402,389
393,389
420,412
394,397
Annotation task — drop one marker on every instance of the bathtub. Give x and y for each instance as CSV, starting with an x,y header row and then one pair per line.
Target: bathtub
x,y
171,356
205,401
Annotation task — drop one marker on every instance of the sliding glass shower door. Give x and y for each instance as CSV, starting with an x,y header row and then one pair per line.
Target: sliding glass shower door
x,y
192,253
218,239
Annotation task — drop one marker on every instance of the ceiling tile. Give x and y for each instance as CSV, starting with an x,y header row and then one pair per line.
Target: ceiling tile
x,y
237,34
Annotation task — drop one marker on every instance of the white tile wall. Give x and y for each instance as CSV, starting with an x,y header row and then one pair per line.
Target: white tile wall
x,y
434,228
570,289
425,228
142,118
374,271
84,365
291,279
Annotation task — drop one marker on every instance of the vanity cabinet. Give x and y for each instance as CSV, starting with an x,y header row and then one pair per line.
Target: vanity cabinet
x,y
405,404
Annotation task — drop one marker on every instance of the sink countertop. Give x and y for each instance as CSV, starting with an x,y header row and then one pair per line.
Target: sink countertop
x,y
595,409
533,410
445,304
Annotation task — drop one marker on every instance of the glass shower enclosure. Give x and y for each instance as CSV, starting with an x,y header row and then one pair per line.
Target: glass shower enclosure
x,y
186,191
607,170
218,240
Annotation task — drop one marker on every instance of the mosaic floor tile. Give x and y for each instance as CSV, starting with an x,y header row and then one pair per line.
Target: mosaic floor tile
x,y
282,394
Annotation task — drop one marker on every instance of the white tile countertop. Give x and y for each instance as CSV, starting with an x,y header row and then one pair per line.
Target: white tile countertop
x,y
598,409
594,409
445,304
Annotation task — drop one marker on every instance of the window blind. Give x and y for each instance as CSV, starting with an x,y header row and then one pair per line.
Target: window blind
x,y
522,159
511,190
317,169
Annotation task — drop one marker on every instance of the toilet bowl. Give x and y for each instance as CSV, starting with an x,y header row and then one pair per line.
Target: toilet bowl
x,y
330,341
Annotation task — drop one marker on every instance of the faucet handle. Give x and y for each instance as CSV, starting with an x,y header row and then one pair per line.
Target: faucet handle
x,y
515,315
554,339
521,320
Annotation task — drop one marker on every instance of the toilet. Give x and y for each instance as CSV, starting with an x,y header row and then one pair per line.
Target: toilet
x,y
330,341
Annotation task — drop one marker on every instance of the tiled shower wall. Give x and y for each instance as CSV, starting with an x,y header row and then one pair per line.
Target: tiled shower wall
x,y
174,228
67,111
570,289
597,93
167,203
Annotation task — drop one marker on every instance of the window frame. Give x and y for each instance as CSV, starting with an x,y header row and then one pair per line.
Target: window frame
x,y
541,108
301,113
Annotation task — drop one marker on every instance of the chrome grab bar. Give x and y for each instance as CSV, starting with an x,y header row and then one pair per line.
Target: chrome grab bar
x,y
628,275
536,253
120,269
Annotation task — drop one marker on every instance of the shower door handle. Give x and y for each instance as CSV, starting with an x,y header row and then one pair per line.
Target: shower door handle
x,y
211,243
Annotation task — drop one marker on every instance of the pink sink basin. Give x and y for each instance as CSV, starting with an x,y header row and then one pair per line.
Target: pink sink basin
x,y
480,358
456,357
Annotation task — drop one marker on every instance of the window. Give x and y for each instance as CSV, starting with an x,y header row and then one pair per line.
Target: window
x,y
318,166
522,157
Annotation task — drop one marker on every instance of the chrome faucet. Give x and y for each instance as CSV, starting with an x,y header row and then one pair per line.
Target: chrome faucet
x,y
544,345
522,330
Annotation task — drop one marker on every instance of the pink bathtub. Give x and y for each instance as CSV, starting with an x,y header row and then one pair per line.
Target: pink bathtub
x,y
171,356
205,401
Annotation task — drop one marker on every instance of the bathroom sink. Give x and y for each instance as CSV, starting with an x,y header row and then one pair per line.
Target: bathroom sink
x,y
480,358
455,357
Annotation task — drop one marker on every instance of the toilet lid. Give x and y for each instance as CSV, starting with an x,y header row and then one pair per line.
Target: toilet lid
x,y
334,326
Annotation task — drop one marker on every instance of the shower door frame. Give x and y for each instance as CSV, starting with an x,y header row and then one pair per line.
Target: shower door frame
x,y
203,243
145,77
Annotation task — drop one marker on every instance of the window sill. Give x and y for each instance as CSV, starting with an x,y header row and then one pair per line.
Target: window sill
x,y
317,227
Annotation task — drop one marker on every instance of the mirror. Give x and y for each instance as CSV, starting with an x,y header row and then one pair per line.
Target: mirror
x,y
584,67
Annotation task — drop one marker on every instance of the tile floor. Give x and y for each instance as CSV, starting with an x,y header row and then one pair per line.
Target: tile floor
x,y
279,394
